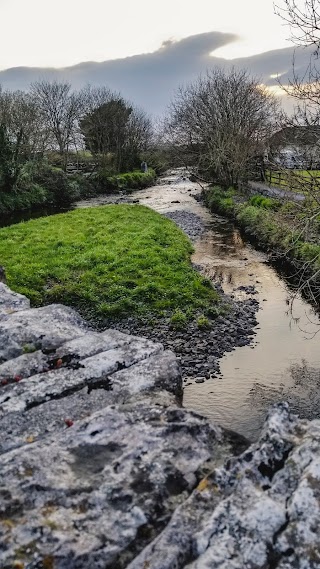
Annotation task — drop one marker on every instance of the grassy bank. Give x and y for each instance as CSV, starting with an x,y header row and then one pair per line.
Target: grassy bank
x,y
102,182
52,187
271,224
107,262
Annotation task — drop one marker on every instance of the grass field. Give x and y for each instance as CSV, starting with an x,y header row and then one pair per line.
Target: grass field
x,y
293,179
108,261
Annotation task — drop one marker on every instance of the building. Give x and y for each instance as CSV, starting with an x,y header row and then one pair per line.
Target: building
x,y
295,147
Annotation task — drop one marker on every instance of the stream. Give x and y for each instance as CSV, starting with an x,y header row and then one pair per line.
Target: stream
x,y
283,361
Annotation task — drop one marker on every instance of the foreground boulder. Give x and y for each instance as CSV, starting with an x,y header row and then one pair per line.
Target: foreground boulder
x,y
101,467
96,451
261,510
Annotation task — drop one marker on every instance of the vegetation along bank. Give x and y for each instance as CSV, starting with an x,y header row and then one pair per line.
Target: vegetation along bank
x,y
284,228
129,267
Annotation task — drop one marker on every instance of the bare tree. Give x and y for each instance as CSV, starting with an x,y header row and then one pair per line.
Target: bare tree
x,y
61,110
220,122
22,131
303,18
20,116
139,136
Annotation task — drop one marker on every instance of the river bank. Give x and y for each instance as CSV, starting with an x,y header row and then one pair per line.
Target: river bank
x,y
279,227
282,349
253,353
51,190
199,349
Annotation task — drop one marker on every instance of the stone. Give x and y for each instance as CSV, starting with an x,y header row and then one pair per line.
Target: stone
x,y
102,468
11,301
259,510
42,328
96,451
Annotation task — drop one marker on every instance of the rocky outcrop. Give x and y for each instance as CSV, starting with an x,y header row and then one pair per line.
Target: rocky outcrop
x,y
100,466
96,451
261,510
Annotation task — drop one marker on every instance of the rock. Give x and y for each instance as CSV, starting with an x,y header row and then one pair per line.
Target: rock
x,y
260,510
96,452
3,278
46,328
102,468
84,495
189,222
11,301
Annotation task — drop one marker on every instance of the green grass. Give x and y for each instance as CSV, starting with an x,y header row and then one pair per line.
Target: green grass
x,y
289,179
108,261
127,182
269,223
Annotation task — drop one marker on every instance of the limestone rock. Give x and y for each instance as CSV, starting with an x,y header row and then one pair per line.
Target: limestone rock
x,y
43,328
101,467
260,510
96,451
11,301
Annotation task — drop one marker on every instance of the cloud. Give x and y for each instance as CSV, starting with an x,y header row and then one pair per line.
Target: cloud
x,y
149,79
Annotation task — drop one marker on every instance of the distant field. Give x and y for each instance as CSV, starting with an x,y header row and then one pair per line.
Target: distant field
x,y
108,261
293,179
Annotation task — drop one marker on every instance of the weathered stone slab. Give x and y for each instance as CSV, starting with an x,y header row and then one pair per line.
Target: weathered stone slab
x,y
154,374
93,343
58,383
48,411
70,353
86,496
261,510
44,328
102,469
11,301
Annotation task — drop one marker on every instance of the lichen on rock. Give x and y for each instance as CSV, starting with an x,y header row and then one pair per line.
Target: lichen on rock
x,y
101,466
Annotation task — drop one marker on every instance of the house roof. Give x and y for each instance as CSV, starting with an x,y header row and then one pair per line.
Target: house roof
x,y
300,135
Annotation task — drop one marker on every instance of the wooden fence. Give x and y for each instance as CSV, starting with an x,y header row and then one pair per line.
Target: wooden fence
x,y
293,179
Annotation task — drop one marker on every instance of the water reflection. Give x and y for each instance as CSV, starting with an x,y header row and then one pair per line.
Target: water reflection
x,y
282,343
283,340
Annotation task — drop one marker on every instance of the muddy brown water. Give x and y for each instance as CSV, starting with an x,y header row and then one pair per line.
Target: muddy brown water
x,y
283,361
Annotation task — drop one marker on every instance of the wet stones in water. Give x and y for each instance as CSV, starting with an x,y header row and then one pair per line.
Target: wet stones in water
x,y
250,289
199,351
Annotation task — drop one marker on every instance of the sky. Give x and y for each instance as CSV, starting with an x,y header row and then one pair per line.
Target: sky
x,y
60,33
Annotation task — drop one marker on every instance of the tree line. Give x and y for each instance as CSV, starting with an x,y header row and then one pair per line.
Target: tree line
x,y
53,118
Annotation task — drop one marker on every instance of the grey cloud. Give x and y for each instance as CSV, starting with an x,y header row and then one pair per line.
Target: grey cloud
x,y
150,79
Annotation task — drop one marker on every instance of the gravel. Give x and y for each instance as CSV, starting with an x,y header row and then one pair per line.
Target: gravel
x,y
189,222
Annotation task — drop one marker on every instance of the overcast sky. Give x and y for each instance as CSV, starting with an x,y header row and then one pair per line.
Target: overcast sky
x,y
60,33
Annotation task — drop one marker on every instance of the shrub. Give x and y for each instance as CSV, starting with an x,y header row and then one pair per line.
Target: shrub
x,y
203,322
129,181
220,200
178,320
264,202
61,189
